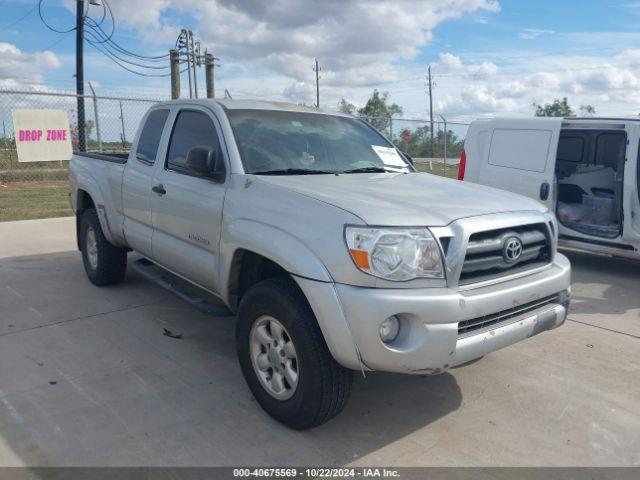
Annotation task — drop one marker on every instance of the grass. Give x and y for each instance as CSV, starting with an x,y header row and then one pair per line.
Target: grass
x,y
29,200
438,169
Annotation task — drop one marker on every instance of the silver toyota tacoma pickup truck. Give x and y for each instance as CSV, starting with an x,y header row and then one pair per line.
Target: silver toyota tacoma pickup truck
x,y
333,252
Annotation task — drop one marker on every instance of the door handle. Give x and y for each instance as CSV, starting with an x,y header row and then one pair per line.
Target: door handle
x,y
159,189
544,191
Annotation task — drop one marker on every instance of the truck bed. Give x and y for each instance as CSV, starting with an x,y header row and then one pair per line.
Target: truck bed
x,y
114,157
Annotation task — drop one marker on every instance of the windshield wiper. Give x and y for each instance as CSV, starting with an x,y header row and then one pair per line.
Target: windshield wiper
x,y
294,171
369,170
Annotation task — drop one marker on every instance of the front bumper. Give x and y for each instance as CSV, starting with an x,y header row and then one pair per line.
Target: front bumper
x,y
429,341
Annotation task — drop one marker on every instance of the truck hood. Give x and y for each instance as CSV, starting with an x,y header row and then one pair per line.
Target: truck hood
x,y
404,199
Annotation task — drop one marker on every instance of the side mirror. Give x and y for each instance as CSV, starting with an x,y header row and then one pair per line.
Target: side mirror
x,y
207,162
408,157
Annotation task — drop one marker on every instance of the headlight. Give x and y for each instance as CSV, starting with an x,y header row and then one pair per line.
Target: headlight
x,y
397,254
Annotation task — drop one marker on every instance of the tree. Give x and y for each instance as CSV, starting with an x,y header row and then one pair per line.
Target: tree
x,y
346,107
587,110
559,108
88,127
377,112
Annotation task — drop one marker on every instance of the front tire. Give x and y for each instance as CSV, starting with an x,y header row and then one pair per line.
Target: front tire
x,y
104,263
284,358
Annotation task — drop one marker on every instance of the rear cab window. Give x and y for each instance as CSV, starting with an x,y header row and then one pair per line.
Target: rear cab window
x,y
150,136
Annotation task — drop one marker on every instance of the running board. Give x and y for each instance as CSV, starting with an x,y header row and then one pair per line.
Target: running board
x,y
191,294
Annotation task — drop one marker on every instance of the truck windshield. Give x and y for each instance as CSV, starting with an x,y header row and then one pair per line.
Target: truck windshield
x,y
297,143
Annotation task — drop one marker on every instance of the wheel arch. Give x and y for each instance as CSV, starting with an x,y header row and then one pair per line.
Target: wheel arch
x,y
84,201
89,196
253,241
310,275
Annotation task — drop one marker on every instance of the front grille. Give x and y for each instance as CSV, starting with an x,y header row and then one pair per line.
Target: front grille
x,y
485,258
503,317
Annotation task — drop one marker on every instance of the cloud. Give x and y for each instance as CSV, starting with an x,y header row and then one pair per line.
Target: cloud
x,y
631,6
300,92
18,68
135,13
356,41
533,33
607,83
267,51
452,63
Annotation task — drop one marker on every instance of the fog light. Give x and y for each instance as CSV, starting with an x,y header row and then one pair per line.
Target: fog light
x,y
565,299
389,329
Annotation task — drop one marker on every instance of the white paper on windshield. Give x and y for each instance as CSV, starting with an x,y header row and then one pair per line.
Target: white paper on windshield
x,y
389,156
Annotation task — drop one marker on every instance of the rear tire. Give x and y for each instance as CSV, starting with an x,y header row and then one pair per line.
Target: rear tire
x,y
311,387
104,263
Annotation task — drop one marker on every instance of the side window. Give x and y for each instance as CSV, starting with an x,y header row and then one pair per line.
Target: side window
x,y
520,149
570,149
150,136
192,129
611,150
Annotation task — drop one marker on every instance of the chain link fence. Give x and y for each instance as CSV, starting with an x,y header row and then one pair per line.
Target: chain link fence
x,y
39,189
434,146
110,125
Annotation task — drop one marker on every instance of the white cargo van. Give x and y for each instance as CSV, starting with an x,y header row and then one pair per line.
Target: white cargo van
x,y
584,169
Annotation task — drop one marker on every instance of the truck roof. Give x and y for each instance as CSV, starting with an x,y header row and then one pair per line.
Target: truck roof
x,y
230,104
564,119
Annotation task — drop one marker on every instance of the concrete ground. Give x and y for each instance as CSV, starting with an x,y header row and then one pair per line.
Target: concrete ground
x,y
87,378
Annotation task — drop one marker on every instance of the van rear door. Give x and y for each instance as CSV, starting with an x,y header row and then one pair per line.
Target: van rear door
x,y
519,156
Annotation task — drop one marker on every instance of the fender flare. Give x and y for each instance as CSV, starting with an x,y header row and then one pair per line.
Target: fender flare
x,y
288,251
88,184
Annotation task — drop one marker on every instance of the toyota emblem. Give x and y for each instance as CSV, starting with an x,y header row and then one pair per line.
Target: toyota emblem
x,y
512,249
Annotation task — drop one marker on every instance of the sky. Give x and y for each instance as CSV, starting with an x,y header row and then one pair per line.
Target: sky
x,y
488,57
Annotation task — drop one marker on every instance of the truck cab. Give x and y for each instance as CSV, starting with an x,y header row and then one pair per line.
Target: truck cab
x,y
332,251
583,169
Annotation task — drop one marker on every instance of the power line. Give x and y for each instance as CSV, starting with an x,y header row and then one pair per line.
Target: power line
x,y
100,35
105,39
16,22
100,47
47,25
58,41
106,8
117,62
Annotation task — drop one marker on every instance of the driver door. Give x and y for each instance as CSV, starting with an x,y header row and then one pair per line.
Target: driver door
x,y
187,206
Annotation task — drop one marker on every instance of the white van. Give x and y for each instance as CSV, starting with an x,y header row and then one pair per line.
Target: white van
x,y
586,170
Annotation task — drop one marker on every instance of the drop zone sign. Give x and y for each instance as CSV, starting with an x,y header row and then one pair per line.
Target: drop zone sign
x,y
42,135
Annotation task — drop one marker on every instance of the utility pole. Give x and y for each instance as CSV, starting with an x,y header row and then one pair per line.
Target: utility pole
x,y
317,70
96,117
193,63
209,75
445,144
183,42
80,73
174,61
430,107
